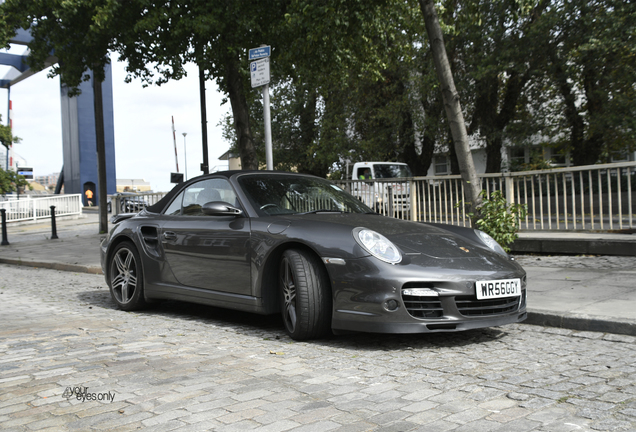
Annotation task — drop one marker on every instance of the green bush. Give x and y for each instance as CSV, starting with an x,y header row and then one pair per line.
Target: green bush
x,y
500,220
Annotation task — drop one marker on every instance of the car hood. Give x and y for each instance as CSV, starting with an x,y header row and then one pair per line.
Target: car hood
x,y
413,238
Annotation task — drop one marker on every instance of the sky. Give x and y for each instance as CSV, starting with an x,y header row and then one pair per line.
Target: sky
x,y
144,145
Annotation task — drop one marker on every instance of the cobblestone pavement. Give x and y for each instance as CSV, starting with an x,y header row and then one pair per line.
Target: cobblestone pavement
x,y
185,367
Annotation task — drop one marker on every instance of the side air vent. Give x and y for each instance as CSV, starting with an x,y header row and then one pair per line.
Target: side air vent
x,y
151,239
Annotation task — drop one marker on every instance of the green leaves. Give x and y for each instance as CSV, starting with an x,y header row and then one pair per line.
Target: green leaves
x,y
6,137
527,71
10,181
500,220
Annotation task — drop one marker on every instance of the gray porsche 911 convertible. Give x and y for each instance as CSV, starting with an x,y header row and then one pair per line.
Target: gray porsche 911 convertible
x,y
269,242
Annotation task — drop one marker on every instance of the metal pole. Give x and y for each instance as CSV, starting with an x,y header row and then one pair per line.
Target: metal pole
x,y
185,155
17,181
269,157
174,139
205,166
8,122
53,225
3,212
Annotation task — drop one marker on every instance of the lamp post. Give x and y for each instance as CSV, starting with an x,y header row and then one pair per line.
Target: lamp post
x,y
185,155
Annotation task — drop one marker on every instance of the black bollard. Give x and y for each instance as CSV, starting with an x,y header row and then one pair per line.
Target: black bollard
x,y
5,242
53,226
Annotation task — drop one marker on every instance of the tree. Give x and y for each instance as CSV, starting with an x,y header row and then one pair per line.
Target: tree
x,y
158,38
6,136
503,47
10,181
80,33
593,71
334,81
452,107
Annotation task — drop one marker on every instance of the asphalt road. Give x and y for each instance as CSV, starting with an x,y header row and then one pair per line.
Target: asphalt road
x,y
179,366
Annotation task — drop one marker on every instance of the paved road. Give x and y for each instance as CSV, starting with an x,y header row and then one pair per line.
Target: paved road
x,y
186,367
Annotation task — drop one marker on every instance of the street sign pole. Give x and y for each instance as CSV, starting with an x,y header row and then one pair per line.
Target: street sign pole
x,y
269,156
260,77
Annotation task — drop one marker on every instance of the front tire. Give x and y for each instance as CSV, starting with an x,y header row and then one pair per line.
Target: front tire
x,y
305,295
126,278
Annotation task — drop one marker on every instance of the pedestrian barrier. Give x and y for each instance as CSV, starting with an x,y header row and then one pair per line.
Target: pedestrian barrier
x,y
133,202
588,198
34,208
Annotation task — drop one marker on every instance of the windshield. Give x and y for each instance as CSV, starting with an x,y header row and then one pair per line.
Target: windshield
x,y
273,194
391,171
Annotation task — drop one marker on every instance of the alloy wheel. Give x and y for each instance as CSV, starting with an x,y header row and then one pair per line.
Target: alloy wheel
x,y
289,295
124,275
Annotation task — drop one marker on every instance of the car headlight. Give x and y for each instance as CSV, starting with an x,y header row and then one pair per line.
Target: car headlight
x,y
490,242
377,245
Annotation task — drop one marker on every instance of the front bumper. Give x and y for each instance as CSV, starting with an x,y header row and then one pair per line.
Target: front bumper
x,y
368,296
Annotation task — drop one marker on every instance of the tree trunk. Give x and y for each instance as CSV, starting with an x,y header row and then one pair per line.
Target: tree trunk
x,y
493,154
593,147
572,117
240,112
492,120
421,163
406,131
101,155
452,106
307,164
454,162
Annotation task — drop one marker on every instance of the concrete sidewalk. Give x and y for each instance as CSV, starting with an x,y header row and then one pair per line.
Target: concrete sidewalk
x,y
593,293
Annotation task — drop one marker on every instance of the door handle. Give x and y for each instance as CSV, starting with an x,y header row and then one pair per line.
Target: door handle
x,y
169,235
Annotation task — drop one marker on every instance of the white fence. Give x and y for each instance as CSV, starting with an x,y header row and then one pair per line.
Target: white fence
x,y
593,197
133,202
27,208
588,198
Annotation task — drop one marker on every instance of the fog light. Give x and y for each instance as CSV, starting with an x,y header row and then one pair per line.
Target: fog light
x,y
391,305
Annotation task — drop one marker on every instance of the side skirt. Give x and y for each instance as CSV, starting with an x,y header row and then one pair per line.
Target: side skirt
x,y
163,291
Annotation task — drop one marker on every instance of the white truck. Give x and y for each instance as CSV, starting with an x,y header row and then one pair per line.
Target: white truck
x,y
378,186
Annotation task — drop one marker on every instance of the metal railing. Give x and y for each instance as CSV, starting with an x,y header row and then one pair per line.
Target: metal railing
x,y
126,203
592,197
28,208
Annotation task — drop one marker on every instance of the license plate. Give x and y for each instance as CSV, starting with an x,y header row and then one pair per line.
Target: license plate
x,y
490,289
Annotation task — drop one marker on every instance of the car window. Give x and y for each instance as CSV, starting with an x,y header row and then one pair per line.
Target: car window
x,y
273,194
175,208
206,191
391,171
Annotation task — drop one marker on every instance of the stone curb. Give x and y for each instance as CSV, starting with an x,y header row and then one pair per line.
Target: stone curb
x,y
54,265
581,323
620,247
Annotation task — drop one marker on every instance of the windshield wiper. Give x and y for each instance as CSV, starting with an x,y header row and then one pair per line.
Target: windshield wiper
x,y
322,211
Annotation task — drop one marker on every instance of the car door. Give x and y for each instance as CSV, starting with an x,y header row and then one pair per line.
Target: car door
x,y
209,252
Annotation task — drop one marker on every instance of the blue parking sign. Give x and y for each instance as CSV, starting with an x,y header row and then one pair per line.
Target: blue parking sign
x,y
257,53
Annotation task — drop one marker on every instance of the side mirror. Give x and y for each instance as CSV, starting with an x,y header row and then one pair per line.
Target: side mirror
x,y
220,208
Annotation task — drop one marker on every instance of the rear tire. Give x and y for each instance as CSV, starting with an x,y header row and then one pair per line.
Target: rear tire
x,y
305,295
125,277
